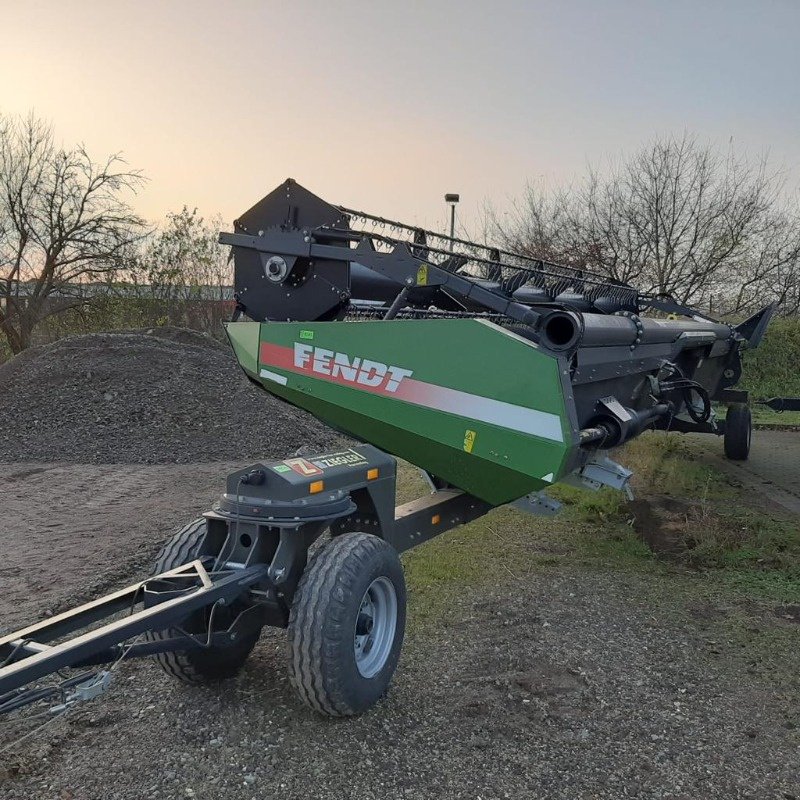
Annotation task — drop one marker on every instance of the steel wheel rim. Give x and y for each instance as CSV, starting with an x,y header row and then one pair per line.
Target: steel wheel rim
x,y
375,627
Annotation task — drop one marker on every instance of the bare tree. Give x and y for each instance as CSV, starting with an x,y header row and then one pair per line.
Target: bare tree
x,y
769,268
541,225
184,260
677,218
63,224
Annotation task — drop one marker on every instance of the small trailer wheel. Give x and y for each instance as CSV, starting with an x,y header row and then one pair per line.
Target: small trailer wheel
x,y
738,432
214,663
347,624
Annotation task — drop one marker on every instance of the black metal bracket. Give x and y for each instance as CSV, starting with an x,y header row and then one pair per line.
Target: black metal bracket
x,y
782,403
400,265
754,328
732,396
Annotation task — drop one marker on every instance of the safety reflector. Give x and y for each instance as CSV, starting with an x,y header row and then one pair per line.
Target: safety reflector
x,y
372,474
316,486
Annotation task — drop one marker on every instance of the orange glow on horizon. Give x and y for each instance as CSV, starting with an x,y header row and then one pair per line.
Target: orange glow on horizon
x,y
385,106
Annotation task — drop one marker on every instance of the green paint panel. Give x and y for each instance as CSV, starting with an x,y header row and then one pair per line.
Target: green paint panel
x,y
463,399
244,337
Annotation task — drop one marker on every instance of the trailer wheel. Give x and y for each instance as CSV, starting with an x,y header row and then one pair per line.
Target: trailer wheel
x,y
346,625
738,432
214,663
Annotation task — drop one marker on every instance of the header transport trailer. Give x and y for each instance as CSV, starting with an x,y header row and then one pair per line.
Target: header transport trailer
x,y
496,373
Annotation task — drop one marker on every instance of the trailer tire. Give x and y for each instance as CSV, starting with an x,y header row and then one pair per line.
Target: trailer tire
x,y
197,666
347,624
738,432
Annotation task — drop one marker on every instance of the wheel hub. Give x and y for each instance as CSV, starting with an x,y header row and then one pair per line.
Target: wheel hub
x,y
375,627
364,625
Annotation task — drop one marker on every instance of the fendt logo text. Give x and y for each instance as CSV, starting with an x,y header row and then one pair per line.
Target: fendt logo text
x,y
340,366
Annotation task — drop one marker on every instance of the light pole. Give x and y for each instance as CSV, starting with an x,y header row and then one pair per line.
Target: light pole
x,y
452,199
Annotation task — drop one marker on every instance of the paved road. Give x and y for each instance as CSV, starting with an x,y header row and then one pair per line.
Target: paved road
x,y
773,467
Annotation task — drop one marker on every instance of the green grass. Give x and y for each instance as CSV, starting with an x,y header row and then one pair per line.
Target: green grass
x,y
730,548
766,416
756,550
508,545
762,415
771,370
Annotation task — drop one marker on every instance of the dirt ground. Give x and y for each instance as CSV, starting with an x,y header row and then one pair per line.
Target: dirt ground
x,y
566,682
83,529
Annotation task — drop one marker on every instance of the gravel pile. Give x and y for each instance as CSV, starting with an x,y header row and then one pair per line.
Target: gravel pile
x,y
158,396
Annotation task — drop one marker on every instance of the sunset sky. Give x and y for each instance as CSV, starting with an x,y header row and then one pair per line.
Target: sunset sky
x,y
386,106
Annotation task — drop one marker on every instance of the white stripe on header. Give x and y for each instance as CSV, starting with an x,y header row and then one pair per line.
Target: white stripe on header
x,y
273,376
494,412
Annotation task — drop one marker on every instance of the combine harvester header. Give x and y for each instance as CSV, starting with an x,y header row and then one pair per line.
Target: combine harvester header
x,y
496,373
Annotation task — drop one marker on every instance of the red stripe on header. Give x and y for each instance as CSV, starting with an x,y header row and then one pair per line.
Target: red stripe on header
x,y
273,355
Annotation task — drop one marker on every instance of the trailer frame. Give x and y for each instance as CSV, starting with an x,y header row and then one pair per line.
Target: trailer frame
x,y
267,519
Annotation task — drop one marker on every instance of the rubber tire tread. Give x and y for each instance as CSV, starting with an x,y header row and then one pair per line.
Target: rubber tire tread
x,y
319,628
182,548
738,430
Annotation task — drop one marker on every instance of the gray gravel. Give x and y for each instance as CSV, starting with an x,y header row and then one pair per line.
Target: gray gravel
x,y
167,396
574,688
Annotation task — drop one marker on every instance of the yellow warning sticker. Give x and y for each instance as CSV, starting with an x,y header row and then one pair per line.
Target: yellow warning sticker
x,y
469,440
422,275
